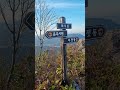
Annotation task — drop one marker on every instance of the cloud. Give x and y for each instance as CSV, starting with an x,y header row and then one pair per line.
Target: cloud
x,y
65,5
77,29
62,5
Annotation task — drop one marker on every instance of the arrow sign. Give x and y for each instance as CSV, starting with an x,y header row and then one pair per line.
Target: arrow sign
x,y
64,26
71,40
94,32
29,20
54,34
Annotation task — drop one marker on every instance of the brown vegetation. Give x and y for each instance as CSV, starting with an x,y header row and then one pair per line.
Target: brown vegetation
x,y
102,63
49,68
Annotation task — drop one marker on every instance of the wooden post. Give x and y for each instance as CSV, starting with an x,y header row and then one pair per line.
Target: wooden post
x,y
64,54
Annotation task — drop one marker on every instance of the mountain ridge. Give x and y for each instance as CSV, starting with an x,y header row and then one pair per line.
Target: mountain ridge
x,y
56,41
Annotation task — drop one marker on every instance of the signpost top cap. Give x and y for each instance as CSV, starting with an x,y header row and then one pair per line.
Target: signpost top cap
x,y
62,17
62,20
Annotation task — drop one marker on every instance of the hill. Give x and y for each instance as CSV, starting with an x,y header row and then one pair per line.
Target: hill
x,y
53,43
56,41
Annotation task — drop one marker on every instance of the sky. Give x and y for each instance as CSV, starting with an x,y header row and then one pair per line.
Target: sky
x,y
73,11
110,9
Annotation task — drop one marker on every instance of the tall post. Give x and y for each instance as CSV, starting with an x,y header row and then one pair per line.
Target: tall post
x,y
64,54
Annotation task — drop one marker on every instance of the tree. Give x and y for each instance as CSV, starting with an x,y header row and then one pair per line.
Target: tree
x,y
45,20
16,9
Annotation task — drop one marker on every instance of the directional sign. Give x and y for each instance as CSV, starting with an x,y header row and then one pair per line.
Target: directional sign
x,y
94,32
53,34
64,26
71,40
29,20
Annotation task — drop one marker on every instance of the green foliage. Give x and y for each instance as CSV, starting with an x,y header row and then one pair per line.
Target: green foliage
x,y
67,87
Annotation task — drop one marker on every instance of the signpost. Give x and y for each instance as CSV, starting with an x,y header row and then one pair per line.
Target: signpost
x,y
54,34
64,52
29,20
62,25
94,32
71,40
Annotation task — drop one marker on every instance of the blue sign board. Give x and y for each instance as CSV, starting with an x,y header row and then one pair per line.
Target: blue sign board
x,y
71,40
64,26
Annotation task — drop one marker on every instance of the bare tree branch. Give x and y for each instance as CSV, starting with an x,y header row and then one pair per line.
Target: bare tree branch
x,y
3,15
23,6
45,20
